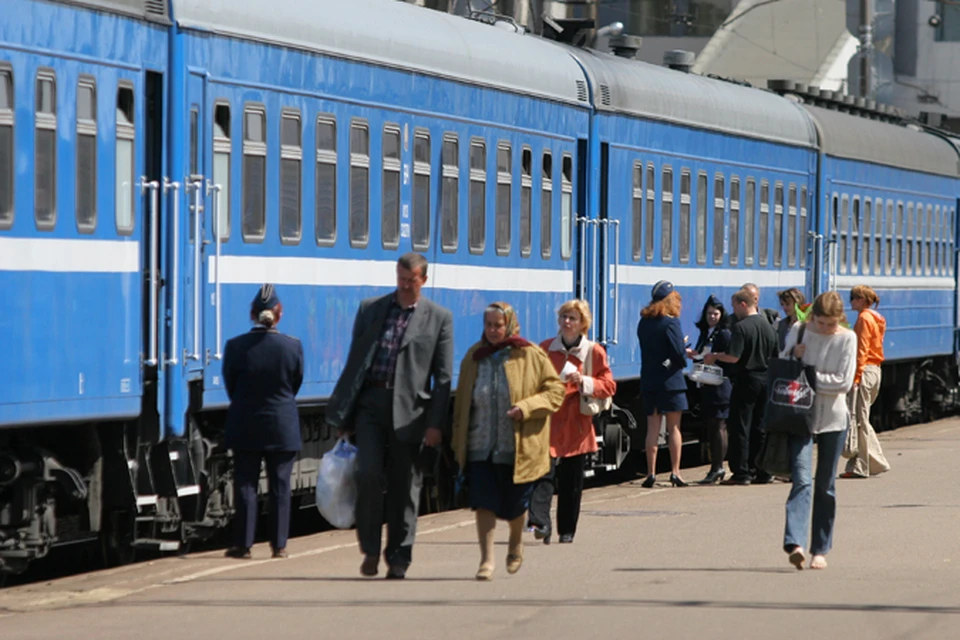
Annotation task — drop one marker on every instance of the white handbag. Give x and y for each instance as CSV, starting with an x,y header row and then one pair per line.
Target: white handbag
x,y
589,405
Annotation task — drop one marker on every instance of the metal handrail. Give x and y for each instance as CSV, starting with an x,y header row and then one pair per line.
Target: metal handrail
x,y
616,281
582,227
169,185
154,265
197,186
216,189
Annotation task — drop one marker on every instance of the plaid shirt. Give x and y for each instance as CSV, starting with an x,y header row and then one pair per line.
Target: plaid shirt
x,y
388,347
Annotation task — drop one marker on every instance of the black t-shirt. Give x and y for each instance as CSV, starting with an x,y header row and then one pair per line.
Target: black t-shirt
x,y
755,342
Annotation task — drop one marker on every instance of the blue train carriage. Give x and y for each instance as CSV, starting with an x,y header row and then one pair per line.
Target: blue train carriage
x,y
325,139
81,133
702,182
888,219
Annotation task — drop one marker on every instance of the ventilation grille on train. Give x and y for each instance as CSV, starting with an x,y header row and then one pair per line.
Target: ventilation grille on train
x,y
156,8
581,91
605,95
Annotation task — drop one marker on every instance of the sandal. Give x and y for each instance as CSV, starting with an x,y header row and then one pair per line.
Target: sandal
x,y
513,563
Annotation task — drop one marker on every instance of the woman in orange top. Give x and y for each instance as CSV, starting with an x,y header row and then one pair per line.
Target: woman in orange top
x,y
571,433
870,328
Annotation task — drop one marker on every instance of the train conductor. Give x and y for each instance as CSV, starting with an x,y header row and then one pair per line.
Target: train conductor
x,y
262,370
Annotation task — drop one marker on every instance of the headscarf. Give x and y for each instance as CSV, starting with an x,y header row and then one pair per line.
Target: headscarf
x,y
513,338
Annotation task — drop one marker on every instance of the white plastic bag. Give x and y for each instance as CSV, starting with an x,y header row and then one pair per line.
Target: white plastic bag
x,y
337,485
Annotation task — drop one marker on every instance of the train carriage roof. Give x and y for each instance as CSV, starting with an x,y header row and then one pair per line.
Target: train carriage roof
x,y
396,34
637,88
856,138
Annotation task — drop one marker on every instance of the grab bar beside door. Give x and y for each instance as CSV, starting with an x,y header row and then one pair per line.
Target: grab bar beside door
x,y
581,287
216,189
197,187
154,265
169,185
615,224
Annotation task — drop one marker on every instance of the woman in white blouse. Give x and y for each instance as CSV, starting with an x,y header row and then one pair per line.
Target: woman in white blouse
x,y
832,350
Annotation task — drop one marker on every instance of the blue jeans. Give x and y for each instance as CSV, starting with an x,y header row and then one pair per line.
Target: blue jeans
x,y
821,491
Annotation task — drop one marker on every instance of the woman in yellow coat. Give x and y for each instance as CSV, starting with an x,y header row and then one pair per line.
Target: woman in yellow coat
x,y
507,391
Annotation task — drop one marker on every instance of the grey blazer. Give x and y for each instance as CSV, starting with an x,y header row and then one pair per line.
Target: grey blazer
x,y
424,368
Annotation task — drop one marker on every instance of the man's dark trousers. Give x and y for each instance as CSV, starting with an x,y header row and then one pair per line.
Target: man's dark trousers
x,y
748,402
381,458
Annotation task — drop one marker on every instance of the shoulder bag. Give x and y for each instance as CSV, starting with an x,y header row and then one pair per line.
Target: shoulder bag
x,y
589,405
791,388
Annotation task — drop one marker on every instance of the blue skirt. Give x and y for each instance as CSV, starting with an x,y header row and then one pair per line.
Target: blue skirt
x,y
491,487
664,401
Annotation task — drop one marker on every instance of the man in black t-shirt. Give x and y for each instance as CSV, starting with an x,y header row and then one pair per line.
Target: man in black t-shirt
x,y
752,345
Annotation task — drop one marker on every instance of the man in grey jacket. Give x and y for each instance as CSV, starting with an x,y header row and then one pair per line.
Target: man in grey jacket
x,y
393,394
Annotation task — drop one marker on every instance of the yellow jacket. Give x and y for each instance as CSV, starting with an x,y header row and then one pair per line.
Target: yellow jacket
x,y
535,388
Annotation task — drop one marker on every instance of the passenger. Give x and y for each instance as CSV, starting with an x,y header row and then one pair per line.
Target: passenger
x,y
664,389
790,299
714,400
572,436
770,315
501,429
393,394
262,371
832,350
753,344
870,329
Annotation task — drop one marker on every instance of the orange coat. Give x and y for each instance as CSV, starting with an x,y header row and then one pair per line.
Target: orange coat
x,y
870,328
571,432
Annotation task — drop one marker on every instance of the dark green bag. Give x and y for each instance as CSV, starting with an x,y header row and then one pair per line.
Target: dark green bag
x,y
775,457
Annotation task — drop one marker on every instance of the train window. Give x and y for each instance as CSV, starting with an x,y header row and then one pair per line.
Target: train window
x,y
359,220
6,148
804,229
749,224
778,224
867,232
936,240
889,237
504,194
291,161
254,222
898,253
683,232
792,221
326,181
86,205
526,202
719,208
651,206
476,230
918,237
450,193
125,166
908,232
734,247
390,188
764,223
877,236
951,230
222,151
546,207
928,263
45,150
637,206
843,234
566,207
194,141
855,237
421,189
701,230
666,216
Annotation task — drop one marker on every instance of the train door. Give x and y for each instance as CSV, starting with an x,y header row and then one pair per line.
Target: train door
x,y
193,231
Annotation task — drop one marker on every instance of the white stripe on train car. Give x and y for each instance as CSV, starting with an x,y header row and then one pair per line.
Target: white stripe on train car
x,y
709,278
335,272
896,282
56,255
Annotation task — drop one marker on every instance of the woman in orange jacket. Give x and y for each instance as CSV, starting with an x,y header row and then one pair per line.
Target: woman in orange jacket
x,y
572,437
870,329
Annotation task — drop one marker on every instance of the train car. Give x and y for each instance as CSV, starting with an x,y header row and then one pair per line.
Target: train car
x,y
81,140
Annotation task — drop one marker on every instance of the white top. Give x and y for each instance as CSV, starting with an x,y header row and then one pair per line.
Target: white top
x,y
835,359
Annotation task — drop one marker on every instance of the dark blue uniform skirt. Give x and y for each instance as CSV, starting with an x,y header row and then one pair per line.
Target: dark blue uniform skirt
x,y
491,487
664,401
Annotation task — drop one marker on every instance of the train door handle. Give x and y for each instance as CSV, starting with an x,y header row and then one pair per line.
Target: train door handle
x,y
169,185
197,187
216,189
154,265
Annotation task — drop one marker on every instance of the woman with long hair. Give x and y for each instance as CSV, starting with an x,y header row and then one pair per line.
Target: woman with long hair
x,y
501,429
790,299
583,368
832,350
714,399
664,389
870,329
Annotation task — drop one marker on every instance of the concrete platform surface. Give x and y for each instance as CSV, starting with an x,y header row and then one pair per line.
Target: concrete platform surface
x,y
698,562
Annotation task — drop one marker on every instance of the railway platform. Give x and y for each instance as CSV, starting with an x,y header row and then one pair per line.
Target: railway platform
x,y
696,562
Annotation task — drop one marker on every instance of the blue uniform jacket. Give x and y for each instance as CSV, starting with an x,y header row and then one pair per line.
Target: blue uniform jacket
x,y
662,354
263,370
719,342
